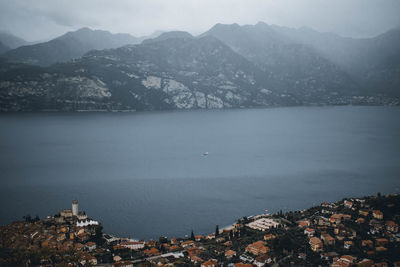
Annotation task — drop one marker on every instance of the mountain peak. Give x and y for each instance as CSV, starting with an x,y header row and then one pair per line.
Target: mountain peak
x,y
225,26
10,40
71,45
84,29
170,35
261,23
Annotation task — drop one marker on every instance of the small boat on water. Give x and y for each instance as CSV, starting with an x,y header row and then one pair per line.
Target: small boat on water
x,y
205,153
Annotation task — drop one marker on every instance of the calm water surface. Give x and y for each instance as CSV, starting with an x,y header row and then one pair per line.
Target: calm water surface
x,y
144,174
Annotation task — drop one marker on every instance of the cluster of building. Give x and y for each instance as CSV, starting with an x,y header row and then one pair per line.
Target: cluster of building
x,y
354,232
54,237
353,226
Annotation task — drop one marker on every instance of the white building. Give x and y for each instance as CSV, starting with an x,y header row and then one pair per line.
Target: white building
x,y
134,245
86,223
82,216
263,224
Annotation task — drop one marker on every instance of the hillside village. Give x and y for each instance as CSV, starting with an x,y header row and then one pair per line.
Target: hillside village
x,y
352,232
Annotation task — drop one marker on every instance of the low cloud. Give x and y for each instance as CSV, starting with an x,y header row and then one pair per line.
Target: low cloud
x,y
43,19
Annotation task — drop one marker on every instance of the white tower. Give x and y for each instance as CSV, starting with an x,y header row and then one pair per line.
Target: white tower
x,y
75,208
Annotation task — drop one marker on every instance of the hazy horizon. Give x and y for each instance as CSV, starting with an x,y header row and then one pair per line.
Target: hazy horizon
x,y
48,19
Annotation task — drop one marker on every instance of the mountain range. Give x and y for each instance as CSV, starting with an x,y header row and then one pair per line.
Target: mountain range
x,y
228,66
9,41
69,46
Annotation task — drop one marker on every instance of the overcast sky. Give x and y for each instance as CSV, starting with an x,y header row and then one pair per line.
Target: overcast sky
x,y
44,19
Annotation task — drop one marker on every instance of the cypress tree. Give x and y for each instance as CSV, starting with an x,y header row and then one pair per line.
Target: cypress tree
x,y
192,236
216,231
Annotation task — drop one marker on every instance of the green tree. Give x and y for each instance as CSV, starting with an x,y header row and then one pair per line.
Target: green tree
x,y
216,231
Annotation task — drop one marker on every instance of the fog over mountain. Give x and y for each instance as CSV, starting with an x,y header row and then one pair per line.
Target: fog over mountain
x,y
11,41
47,19
228,66
68,46
198,54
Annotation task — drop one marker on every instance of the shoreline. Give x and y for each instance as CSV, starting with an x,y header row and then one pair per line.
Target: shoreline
x,y
238,243
51,111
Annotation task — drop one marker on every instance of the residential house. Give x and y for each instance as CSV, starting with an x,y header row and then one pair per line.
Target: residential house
x,y
344,261
122,264
391,226
348,244
187,243
196,259
380,249
151,252
367,243
363,213
210,236
348,204
260,260
328,239
269,237
304,223
346,217
174,241
193,251
230,253
309,231
257,248
90,246
316,244
377,214
325,204
210,263
366,263
240,264
360,220
151,243
336,218
381,242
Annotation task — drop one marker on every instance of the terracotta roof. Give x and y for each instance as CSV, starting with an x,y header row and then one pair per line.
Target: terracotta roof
x,y
210,263
195,258
304,223
348,258
327,237
240,264
230,253
391,223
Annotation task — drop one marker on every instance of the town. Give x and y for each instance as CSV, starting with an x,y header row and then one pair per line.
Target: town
x,y
352,232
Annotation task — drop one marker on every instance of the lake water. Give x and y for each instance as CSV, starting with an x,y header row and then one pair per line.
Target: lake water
x,y
144,175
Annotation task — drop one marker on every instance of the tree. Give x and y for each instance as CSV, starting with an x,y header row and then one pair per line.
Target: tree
x,y
192,236
216,231
98,231
162,248
27,218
